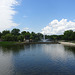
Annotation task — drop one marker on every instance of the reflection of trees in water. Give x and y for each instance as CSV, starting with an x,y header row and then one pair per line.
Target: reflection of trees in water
x,y
70,49
14,48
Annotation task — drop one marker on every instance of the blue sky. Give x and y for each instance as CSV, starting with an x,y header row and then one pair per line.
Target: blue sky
x,y
37,15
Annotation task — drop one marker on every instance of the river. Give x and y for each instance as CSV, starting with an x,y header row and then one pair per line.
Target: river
x,y
37,59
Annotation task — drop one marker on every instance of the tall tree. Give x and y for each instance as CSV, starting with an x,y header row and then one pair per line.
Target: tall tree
x,y
27,35
68,35
23,32
15,31
5,32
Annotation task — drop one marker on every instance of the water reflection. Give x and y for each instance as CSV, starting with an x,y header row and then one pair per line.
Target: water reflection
x,y
70,49
13,48
6,65
37,59
56,51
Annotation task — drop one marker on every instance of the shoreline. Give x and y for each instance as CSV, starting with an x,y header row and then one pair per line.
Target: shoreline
x,y
68,43
20,43
38,43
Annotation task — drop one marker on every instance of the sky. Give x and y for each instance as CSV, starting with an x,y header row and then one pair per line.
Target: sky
x,y
46,16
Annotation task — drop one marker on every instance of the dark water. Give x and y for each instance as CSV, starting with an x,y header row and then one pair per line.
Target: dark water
x,y
37,59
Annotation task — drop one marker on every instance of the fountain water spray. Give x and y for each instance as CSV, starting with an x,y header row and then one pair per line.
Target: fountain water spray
x,y
44,40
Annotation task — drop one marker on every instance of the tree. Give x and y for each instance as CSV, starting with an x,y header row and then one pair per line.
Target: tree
x,y
73,36
7,37
68,35
27,35
20,37
23,32
15,37
36,37
5,32
40,35
31,37
15,31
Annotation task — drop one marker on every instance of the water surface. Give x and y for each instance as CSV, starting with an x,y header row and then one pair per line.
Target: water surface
x,y
37,59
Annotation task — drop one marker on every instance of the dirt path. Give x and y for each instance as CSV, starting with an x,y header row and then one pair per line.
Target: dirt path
x,y
67,43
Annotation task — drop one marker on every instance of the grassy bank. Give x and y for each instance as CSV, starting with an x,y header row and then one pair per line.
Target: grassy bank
x,y
7,43
20,43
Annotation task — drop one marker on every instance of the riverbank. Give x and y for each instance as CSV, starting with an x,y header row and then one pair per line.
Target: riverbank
x,y
20,43
7,43
37,43
68,43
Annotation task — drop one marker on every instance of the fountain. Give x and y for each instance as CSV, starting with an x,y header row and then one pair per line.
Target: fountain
x,y
44,40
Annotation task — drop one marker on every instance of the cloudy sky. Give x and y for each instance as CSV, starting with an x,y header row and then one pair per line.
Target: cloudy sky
x,y
46,16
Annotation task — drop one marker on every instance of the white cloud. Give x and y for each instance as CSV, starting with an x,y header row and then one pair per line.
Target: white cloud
x,y
74,20
25,29
6,14
58,27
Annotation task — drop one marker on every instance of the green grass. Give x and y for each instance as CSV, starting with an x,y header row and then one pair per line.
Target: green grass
x,y
7,43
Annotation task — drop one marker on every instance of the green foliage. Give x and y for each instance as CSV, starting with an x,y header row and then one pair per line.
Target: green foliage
x,y
31,37
23,32
40,35
20,37
15,35
7,37
36,37
27,35
73,36
15,31
53,37
5,32
68,35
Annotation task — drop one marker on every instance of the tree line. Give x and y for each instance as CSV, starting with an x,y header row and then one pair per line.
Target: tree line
x,y
69,35
16,35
